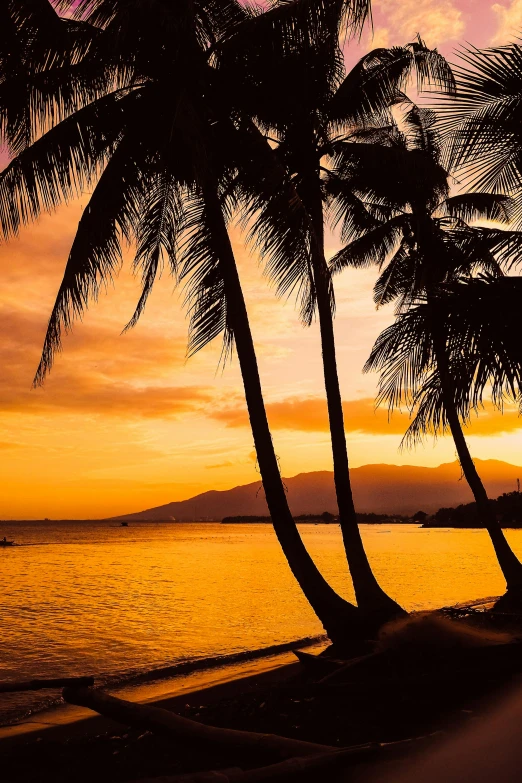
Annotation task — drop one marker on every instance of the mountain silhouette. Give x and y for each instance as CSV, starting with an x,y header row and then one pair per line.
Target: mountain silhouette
x,y
383,489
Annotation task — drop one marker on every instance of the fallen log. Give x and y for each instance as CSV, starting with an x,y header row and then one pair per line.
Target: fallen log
x,y
317,665
38,685
213,776
284,770
296,767
161,721
360,663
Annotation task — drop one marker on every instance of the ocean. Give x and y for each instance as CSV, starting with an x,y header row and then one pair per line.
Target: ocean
x,y
153,601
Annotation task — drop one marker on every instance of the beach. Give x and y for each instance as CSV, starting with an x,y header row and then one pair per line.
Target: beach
x,y
246,682
145,606
396,723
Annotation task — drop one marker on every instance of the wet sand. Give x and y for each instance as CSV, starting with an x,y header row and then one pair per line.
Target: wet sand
x,y
65,721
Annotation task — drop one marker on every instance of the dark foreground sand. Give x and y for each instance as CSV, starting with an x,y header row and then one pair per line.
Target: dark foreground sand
x,y
399,699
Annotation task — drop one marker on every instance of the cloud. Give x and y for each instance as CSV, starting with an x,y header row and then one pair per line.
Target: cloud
x,y
436,20
7,446
97,377
310,415
82,394
509,21
227,464
380,38
490,421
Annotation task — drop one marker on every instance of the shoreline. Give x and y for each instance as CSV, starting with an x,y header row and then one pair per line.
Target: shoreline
x,y
200,687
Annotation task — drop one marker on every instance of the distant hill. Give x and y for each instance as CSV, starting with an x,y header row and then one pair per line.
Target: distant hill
x,y
384,489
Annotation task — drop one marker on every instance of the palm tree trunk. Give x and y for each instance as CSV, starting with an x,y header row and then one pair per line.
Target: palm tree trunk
x,y
508,561
339,617
370,595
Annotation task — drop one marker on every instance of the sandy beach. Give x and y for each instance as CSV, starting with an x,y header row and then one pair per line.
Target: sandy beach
x,y
66,721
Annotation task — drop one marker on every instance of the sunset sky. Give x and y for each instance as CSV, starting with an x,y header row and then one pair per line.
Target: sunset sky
x,y
124,422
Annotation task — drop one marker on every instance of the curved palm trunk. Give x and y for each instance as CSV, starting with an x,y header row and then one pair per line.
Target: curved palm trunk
x,y
508,561
370,595
340,618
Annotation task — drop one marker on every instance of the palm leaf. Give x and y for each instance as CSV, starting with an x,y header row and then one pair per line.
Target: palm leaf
x,y
469,207
62,162
482,123
156,232
372,248
483,351
202,272
95,256
379,79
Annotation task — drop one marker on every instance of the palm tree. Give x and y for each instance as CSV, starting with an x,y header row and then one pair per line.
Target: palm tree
x,y
425,242
483,121
152,131
297,93
483,353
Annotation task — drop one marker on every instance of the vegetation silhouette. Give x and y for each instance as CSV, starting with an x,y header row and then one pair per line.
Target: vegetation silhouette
x,y
451,336
179,117
507,507
482,123
168,186
297,92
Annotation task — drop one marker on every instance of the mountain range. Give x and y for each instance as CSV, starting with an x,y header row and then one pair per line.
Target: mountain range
x,y
382,489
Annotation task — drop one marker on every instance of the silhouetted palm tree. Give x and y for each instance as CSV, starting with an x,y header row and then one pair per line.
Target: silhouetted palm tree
x,y
297,92
153,132
483,353
484,120
36,47
425,242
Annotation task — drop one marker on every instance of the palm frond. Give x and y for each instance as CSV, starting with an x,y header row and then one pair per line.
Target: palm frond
x,y
398,278
156,233
482,123
95,256
470,207
505,245
390,175
202,272
479,318
379,79
421,131
372,248
64,161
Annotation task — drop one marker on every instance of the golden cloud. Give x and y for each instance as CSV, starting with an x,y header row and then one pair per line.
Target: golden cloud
x,y
226,464
491,421
436,20
310,415
97,377
509,21
82,394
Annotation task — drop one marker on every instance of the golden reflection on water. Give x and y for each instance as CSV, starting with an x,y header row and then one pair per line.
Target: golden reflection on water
x,y
97,598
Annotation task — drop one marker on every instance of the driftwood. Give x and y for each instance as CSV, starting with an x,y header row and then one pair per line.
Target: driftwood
x,y
38,685
213,776
404,664
284,770
168,723
296,767
317,665
360,663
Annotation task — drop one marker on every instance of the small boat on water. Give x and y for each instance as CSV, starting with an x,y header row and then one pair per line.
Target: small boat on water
x,y
125,524
5,542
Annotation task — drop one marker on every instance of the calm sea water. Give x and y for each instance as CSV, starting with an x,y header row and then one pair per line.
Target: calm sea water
x,y
95,598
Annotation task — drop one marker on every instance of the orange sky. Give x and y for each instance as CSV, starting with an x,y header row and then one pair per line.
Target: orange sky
x,y
124,423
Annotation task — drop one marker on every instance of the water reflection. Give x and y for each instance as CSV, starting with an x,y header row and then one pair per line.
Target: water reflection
x,y
96,598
